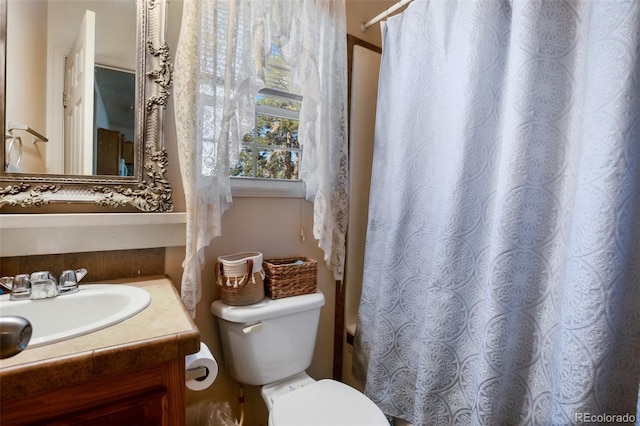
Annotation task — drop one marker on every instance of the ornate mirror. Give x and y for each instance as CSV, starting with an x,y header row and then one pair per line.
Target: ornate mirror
x,y
84,88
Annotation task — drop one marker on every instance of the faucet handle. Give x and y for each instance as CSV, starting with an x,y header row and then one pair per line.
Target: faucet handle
x,y
80,273
18,287
6,284
21,288
69,280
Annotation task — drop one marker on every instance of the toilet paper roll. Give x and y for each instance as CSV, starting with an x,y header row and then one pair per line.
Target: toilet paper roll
x,y
202,358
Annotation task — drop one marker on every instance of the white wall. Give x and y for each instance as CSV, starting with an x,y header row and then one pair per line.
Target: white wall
x,y
26,61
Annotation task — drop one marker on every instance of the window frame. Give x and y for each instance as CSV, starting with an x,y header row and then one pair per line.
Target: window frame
x,y
274,188
252,186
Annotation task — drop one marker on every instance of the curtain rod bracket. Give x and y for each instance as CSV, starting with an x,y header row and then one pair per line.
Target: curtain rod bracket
x,y
365,25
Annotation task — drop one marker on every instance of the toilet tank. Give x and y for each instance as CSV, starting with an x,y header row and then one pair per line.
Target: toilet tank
x,y
270,340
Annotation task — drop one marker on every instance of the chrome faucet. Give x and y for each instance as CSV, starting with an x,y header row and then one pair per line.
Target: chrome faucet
x,y
42,285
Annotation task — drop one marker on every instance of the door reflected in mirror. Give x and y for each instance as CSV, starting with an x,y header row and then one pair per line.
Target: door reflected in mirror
x,y
114,121
70,77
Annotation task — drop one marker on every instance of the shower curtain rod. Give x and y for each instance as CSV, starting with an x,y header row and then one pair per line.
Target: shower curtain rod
x,y
365,25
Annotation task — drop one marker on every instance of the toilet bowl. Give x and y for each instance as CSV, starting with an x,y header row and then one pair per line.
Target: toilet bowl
x,y
322,403
270,344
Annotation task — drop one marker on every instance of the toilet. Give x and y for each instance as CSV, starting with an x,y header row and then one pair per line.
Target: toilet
x,y
271,344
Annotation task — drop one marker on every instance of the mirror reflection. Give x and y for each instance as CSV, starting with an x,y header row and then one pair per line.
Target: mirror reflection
x,y
70,87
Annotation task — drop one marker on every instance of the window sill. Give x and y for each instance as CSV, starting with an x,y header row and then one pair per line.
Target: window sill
x,y
243,187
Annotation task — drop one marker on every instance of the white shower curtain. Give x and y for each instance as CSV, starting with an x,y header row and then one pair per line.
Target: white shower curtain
x,y
502,266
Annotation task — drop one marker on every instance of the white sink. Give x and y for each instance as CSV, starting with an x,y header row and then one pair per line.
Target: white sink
x,y
92,308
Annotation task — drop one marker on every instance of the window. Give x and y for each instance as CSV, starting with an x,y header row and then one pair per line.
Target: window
x,y
271,152
272,149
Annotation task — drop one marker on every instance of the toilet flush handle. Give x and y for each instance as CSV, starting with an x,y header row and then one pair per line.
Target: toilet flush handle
x,y
252,328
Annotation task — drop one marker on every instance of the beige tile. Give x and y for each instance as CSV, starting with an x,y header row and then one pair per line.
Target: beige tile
x,y
148,261
9,266
129,357
93,262
118,264
102,265
42,376
53,263
189,342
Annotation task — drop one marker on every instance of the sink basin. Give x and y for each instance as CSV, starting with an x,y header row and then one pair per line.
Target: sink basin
x,y
92,308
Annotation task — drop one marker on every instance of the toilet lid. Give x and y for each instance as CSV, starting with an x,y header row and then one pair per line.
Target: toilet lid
x,y
325,403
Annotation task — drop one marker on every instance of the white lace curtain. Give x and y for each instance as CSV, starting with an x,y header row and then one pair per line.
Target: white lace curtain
x,y
502,268
218,72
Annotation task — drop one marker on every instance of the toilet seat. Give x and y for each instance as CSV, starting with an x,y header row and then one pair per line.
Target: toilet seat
x,y
326,403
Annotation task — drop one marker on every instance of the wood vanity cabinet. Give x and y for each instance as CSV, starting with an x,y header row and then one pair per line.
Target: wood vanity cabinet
x,y
152,396
129,374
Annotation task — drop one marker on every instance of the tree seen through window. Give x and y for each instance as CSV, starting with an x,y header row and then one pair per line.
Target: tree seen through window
x,y
271,150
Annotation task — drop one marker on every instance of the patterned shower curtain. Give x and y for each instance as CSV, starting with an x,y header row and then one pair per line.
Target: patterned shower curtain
x,y
502,266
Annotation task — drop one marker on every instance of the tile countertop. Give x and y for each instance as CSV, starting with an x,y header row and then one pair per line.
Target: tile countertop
x,y
161,332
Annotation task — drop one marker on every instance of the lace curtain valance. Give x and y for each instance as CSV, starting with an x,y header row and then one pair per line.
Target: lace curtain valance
x,y
219,69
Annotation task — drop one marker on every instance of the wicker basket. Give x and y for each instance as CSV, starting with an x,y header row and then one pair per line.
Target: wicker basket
x,y
240,278
290,276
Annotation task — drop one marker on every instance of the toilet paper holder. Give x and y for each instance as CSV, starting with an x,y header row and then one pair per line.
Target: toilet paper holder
x,y
201,369
196,373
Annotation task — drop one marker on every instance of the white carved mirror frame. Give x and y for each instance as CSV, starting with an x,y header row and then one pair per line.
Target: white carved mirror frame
x,y
148,190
